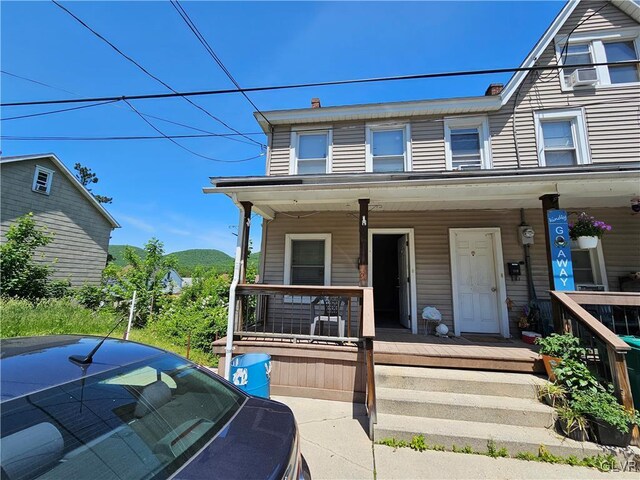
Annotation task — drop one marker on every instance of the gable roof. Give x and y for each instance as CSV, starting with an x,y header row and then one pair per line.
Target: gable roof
x,y
437,106
70,176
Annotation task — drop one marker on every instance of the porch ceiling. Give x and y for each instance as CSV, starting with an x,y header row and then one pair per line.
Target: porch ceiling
x,y
593,189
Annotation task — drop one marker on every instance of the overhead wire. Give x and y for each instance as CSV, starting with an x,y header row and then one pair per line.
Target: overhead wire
x,y
39,114
185,148
461,73
149,74
203,41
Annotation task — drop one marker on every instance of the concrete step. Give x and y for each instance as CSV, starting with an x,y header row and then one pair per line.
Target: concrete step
x,y
463,406
518,385
460,433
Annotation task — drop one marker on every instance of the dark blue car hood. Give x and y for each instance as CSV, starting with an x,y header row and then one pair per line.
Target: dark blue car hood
x,y
256,444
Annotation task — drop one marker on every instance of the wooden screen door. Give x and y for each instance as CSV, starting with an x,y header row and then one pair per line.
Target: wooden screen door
x,y
476,282
403,282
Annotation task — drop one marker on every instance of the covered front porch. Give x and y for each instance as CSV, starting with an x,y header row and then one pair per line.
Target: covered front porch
x,y
449,241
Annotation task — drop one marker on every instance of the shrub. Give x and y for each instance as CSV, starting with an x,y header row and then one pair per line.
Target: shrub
x,y
564,346
58,289
90,296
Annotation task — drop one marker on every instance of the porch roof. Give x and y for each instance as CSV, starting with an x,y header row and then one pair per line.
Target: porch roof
x,y
611,185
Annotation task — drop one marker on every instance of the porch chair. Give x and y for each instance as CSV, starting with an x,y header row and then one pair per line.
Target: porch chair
x,y
328,310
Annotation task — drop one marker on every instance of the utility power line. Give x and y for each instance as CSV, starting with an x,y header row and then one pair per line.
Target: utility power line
x,y
125,137
114,102
206,157
192,26
149,74
459,73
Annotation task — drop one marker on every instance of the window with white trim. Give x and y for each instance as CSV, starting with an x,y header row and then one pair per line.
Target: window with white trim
x,y
601,47
467,144
589,269
310,152
561,137
42,180
388,148
307,259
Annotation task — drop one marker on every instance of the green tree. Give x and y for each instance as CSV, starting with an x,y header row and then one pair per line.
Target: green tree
x,y
86,177
141,274
20,275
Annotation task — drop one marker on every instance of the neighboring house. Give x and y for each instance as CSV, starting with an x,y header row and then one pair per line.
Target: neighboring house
x,y
81,226
172,282
424,200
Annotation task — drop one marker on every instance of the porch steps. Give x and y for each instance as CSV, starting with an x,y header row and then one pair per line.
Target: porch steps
x,y
464,407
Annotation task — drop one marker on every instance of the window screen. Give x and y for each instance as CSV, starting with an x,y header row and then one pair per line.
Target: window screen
x,y
307,262
620,52
387,150
559,147
465,149
312,153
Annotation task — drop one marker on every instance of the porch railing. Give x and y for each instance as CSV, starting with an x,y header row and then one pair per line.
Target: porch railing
x,y
605,351
311,313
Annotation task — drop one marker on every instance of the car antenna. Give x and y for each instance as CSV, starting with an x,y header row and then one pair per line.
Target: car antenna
x,y
80,360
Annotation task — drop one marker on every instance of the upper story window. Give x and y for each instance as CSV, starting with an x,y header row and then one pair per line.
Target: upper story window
x,y
307,259
310,152
388,148
561,137
620,52
600,47
467,143
42,180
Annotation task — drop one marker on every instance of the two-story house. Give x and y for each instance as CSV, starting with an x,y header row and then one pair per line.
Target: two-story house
x,y
425,201
81,227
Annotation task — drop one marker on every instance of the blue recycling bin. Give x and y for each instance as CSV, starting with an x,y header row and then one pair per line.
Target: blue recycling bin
x,y
251,372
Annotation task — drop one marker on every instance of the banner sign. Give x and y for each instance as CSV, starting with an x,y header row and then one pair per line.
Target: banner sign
x,y
560,250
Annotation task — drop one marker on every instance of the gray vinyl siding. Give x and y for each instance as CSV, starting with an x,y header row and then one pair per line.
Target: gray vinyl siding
x,y
431,230
81,233
612,116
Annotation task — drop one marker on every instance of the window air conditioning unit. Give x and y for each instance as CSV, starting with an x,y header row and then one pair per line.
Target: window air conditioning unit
x,y
583,77
589,288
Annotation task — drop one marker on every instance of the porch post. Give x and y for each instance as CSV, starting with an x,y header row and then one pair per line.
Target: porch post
x,y
244,247
363,261
550,202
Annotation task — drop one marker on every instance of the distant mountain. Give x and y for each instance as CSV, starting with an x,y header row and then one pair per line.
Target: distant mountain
x,y
188,260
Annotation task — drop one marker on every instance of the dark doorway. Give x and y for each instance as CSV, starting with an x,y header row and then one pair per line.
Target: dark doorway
x,y
385,281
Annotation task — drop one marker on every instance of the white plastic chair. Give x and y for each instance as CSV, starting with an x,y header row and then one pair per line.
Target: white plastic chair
x,y
328,310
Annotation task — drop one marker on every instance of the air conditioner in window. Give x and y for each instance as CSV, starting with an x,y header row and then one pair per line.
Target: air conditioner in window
x,y
589,288
583,77
41,188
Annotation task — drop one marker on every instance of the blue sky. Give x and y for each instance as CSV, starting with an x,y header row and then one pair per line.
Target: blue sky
x,y
156,186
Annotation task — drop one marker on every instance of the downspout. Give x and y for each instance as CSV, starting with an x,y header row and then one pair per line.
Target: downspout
x,y
232,299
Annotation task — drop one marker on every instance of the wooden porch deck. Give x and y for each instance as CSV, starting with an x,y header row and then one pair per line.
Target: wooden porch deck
x,y
477,352
333,371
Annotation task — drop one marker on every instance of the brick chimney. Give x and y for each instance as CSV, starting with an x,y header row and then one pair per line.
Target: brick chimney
x,y
315,103
494,89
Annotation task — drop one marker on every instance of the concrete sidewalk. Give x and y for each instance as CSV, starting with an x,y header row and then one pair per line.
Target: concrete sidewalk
x,y
336,446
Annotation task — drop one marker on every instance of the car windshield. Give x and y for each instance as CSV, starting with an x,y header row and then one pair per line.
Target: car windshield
x,y
141,421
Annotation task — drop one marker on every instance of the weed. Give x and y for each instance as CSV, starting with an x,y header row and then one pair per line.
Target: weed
x,y
418,444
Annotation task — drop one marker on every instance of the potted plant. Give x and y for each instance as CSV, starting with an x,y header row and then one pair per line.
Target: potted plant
x,y
552,394
572,423
611,422
555,348
587,230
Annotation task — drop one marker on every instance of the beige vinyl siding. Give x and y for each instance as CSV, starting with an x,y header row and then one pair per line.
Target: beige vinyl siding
x,y
427,145
431,229
81,233
348,148
279,152
612,116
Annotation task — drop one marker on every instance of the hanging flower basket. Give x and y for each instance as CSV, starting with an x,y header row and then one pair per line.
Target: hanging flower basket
x,y
587,230
587,242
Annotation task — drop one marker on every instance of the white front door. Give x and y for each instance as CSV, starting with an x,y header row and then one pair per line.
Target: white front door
x,y
403,282
476,282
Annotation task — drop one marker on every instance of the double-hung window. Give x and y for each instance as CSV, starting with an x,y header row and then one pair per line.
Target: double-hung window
x,y
310,152
606,46
307,259
467,144
42,180
388,148
561,137
589,269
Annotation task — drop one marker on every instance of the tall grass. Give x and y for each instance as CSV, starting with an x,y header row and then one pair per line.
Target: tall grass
x,y
21,318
